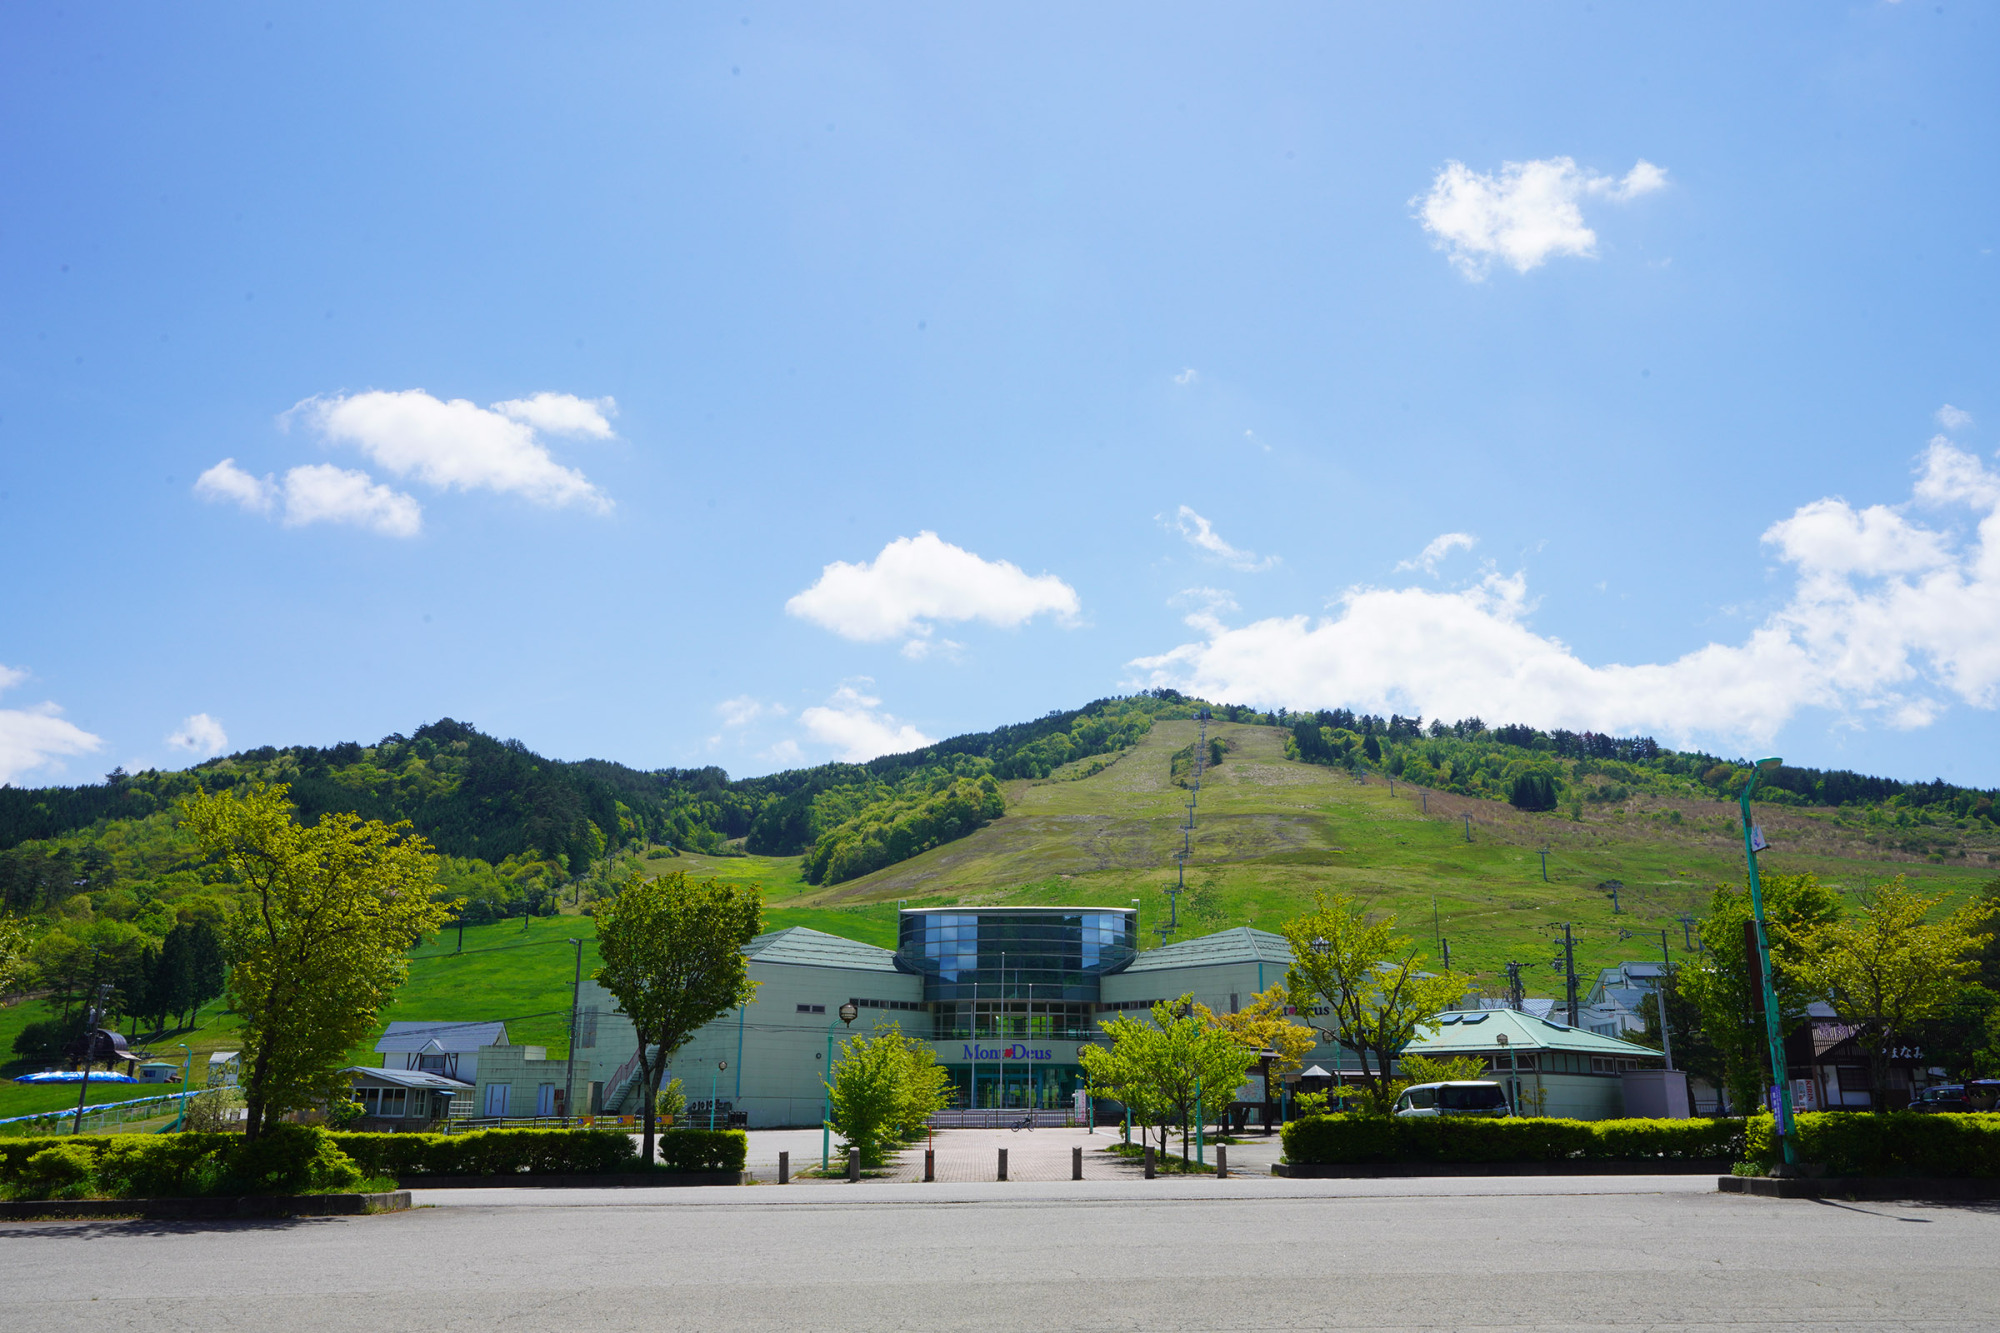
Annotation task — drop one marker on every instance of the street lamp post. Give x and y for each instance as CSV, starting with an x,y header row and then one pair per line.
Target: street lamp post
x,y
1513,1083
1753,842
846,1013
720,1065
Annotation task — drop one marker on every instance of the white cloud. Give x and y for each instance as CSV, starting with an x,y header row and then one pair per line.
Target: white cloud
x,y
1953,418
918,649
1439,547
744,709
1889,618
1522,214
458,444
323,493
228,482
849,723
1201,534
786,752
1187,376
38,736
199,734
921,579
563,414
316,493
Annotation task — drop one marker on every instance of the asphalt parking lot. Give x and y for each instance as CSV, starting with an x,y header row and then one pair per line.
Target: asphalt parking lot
x,y
1171,1255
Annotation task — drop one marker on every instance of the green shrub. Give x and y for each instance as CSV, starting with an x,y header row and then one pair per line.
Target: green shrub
x,y
291,1159
61,1171
703,1149
1359,1139
1900,1143
285,1159
492,1152
133,1166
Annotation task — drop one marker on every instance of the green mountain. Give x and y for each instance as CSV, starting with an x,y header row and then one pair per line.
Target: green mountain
x,y
1083,806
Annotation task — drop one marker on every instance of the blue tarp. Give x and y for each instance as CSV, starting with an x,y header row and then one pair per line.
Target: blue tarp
x,y
75,1076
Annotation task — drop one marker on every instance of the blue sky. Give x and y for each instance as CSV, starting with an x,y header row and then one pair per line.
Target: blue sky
x,y
753,385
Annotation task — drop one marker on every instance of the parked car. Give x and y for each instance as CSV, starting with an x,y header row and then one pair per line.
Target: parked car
x,y
1467,1098
1942,1098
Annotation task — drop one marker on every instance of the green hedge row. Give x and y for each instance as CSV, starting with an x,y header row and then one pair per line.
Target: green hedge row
x,y
1899,1143
1362,1139
506,1152
286,1159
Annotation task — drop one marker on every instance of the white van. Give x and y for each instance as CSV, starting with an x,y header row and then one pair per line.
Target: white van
x,y
1469,1098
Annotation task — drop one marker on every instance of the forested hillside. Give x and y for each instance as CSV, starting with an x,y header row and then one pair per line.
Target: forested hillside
x,y
101,871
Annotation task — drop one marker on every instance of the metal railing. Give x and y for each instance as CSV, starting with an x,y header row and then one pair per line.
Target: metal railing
x,y
103,1116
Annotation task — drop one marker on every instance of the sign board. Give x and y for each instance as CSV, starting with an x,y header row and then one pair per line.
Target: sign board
x,y
1757,843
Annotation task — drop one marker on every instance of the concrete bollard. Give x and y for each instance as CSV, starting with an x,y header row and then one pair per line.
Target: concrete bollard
x,y
1149,1163
1076,1164
1221,1161
854,1163
1003,1165
784,1168
930,1165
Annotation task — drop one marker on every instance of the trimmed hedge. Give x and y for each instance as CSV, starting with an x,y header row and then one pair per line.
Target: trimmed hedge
x,y
1349,1139
506,1152
493,1152
1898,1143
703,1149
285,1159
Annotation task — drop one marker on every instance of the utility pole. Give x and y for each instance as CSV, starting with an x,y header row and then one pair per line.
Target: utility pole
x,y
1660,993
1516,996
1565,963
1687,931
1545,865
1468,828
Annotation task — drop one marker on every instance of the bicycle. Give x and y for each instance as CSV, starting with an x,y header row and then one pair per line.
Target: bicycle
x,y
1027,1122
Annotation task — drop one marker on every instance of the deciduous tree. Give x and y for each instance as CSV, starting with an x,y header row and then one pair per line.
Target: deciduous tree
x,y
1721,981
318,938
1889,967
1372,982
673,955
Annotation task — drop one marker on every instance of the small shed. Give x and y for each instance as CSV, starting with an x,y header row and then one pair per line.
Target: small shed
x,y
1548,1068
160,1071
224,1069
402,1099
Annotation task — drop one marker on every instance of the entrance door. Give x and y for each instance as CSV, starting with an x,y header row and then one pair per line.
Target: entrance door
x,y
496,1100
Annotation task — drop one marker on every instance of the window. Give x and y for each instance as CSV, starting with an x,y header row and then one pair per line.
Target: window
x,y
367,1098
812,1008
434,1064
391,1104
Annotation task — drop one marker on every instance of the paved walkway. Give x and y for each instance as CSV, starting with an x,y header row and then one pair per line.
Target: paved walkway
x,y
965,1155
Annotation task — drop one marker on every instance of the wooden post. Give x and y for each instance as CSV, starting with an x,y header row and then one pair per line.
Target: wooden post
x,y
930,1165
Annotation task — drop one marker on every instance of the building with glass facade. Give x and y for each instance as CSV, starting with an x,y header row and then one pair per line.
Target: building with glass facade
x,y
1005,995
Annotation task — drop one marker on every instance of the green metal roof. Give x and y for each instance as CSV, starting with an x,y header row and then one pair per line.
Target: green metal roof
x,y
1471,1032
804,946
1241,945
